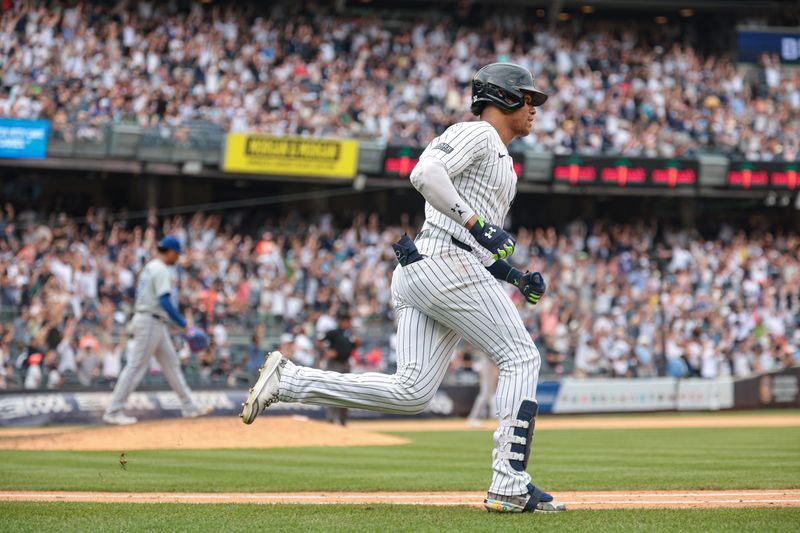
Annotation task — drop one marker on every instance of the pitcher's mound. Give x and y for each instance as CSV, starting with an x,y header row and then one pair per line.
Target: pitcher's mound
x,y
203,433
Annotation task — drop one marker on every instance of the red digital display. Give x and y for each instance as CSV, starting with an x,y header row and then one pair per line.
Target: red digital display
x,y
785,179
575,173
400,161
400,166
672,177
623,175
747,178
625,171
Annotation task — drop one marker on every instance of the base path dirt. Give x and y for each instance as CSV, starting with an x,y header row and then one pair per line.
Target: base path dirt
x,y
195,434
548,422
574,500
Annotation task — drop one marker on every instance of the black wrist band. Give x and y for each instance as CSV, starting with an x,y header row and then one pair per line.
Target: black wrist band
x,y
505,272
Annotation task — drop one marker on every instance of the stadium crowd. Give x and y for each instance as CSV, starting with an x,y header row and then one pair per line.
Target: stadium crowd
x,y
622,300
171,65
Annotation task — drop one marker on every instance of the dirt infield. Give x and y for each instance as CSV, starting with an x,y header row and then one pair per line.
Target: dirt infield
x,y
294,432
546,422
194,434
574,500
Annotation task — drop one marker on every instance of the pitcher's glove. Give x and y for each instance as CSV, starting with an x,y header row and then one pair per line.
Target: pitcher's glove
x,y
493,238
196,339
532,286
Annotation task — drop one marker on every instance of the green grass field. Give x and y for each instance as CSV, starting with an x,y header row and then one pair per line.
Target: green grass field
x,y
38,517
721,458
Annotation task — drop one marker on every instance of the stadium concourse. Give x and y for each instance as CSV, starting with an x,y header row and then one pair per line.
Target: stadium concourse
x,y
623,300
641,89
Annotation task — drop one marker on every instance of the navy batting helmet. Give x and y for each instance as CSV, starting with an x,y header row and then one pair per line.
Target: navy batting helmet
x,y
504,85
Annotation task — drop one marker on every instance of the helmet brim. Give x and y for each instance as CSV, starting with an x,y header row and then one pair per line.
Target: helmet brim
x,y
537,97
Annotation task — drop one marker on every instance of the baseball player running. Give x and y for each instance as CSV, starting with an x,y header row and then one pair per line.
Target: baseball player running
x,y
446,288
156,300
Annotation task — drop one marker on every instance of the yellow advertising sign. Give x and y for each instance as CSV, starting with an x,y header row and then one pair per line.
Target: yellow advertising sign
x,y
290,156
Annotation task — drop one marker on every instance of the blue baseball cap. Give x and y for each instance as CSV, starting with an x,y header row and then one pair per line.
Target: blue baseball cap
x,y
170,243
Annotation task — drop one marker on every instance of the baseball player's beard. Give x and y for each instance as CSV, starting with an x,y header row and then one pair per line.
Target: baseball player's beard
x,y
520,122
523,126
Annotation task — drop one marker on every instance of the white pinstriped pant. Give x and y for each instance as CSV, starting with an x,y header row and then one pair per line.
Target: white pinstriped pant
x,y
439,299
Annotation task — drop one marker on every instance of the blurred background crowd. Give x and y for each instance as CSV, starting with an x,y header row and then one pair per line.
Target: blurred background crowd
x,y
646,90
633,299
622,300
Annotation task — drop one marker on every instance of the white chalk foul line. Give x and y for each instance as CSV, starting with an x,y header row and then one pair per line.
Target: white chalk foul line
x,y
676,502
675,494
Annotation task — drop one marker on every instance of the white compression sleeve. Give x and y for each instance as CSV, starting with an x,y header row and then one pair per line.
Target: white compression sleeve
x,y
430,178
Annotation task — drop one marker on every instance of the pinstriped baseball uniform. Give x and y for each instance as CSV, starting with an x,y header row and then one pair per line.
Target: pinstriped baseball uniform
x,y
482,172
446,296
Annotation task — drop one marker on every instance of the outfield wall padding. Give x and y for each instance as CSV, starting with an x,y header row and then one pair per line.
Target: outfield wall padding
x,y
774,389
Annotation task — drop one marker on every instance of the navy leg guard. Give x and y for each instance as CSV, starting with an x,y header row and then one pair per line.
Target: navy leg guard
x,y
528,410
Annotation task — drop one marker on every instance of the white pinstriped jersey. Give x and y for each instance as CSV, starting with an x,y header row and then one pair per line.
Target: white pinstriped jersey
x,y
482,172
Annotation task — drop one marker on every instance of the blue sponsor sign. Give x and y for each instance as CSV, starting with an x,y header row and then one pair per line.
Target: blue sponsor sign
x,y
785,42
546,394
23,139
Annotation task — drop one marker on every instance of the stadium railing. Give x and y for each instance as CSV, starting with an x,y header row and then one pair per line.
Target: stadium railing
x,y
198,141
202,145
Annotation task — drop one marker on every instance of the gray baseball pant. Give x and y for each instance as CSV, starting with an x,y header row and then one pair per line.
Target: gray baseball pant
x,y
151,338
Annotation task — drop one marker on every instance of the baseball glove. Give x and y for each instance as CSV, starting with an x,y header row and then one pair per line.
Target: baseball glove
x,y
196,339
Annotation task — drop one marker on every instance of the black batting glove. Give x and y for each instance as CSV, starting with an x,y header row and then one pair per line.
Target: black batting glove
x,y
532,286
493,238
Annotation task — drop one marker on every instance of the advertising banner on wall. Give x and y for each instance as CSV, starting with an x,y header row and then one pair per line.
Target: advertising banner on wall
x,y
290,156
616,395
775,389
629,172
705,394
40,408
570,395
546,395
23,139
783,42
